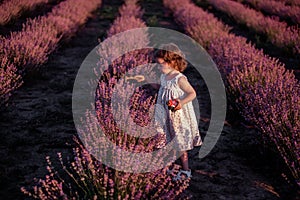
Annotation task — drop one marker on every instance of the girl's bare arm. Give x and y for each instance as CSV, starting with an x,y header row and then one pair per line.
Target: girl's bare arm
x,y
188,89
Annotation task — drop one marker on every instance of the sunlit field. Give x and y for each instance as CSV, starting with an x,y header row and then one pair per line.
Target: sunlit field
x,y
45,154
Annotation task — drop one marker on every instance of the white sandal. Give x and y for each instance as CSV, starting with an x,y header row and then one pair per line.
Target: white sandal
x,y
187,175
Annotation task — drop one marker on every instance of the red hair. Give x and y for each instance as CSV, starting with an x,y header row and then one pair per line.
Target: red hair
x,y
171,54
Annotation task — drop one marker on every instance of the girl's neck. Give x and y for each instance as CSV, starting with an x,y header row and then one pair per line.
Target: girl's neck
x,y
170,73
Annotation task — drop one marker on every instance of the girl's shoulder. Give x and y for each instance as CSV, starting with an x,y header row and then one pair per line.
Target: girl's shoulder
x,y
175,77
179,77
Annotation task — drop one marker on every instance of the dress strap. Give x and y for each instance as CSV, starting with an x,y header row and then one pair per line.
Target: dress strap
x,y
178,76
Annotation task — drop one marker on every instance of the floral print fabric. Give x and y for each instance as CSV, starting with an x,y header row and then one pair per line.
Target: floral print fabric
x,y
180,125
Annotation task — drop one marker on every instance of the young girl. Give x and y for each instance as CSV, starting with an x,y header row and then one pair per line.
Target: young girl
x,y
180,120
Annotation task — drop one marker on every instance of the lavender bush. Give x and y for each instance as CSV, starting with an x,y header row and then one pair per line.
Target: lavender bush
x,y
277,8
290,2
91,179
264,92
130,18
278,33
10,9
270,104
68,16
30,48
9,80
142,99
130,9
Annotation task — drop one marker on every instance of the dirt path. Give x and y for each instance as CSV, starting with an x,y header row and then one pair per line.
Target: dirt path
x,y
38,123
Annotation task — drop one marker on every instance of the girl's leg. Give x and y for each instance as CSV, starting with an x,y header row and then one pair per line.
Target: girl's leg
x,y
185,172
185,161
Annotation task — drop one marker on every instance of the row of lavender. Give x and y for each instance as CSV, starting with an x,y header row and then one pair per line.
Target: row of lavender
x,y
11,9
278,33
91,178
290,2
264,92
28,49
279,9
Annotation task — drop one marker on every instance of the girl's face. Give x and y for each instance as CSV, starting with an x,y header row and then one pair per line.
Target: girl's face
x,y
163,66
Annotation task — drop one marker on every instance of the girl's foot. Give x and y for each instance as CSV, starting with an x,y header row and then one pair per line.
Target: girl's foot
x,y
183,175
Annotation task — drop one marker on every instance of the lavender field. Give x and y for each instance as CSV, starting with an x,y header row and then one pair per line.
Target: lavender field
x,y
255,46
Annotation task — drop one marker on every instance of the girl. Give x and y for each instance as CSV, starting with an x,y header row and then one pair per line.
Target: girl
x,y
180,121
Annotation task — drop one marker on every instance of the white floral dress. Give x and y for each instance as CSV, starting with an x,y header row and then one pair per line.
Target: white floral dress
x,y
180,125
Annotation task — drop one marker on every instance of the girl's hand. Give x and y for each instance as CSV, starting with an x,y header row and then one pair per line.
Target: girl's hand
x,y
178,107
